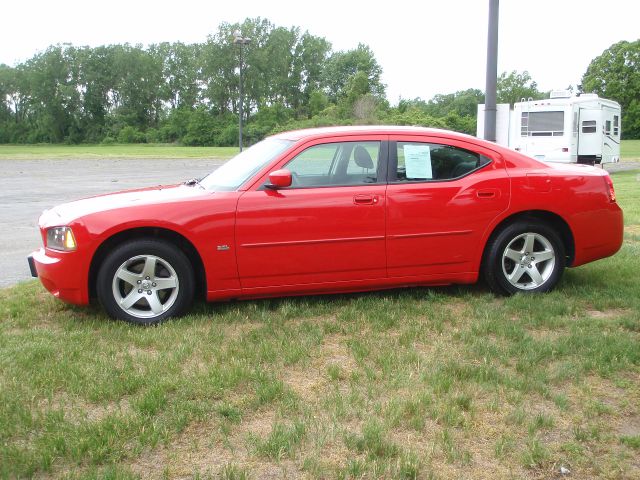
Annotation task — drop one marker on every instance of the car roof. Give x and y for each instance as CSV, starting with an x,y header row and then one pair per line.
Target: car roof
x,y
311,133
323,132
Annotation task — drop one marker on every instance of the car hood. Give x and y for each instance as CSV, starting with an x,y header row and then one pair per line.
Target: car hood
x,y
66,213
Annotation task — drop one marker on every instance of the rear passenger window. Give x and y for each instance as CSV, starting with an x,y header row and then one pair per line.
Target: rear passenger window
x,y
421,162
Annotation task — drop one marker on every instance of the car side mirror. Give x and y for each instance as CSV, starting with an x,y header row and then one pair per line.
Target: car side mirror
x,y
279,179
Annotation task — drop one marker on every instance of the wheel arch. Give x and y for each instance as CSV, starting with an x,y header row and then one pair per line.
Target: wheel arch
x,y
165,234
544,216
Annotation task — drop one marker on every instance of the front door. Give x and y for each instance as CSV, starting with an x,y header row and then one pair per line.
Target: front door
x,y
327,227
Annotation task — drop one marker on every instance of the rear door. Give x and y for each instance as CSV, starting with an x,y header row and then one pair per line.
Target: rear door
x,y
327,227
442,196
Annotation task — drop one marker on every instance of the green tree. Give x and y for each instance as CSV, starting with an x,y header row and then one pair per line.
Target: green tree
x,y
138,92
311,59
53,106
342,67
189,93
179,86
513,87
463,103
615,74
97,81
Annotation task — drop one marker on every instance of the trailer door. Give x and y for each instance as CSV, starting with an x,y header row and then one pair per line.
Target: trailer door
x,y
611,137
590,135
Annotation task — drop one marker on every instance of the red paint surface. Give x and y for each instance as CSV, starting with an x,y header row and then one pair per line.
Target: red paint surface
x,y
339,239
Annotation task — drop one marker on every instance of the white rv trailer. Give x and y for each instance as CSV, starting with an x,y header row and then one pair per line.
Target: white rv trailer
x,y
563,128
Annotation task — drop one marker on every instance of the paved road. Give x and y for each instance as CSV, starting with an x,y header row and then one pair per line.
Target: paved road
x,y
27,187
623,166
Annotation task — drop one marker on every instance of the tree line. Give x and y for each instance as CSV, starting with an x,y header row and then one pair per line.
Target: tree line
x,y
189,93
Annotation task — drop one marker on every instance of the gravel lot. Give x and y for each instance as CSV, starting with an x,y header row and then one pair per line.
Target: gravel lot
x,y
27,187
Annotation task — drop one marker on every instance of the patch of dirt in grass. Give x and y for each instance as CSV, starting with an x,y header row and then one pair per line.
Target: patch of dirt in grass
x,y
606,314
632,229
432,343
472,450
614,410
307,383
77,410
238,330
629,427
596,389
311,380
335,453
95,413
545,334
142,352
194,450
203,448
259,424
139,356
195,365
457,308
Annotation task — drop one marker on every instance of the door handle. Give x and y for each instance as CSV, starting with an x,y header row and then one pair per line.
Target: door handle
x,y
365,199
488,193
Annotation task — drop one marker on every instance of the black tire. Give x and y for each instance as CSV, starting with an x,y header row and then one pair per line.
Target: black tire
x,y
122,279
506,268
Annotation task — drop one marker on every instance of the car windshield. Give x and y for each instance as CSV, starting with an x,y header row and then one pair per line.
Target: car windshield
x,y
240,168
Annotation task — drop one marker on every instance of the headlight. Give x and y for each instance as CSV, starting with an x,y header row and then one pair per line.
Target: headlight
x,y
61,238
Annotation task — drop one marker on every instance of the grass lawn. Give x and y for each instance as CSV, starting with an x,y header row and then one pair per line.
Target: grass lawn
x,y
630,150
35,152
417,383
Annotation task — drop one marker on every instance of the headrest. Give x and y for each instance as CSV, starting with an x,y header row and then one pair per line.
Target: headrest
x,y
362,157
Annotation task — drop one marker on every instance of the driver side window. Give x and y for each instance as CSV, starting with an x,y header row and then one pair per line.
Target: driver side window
x,y
336,164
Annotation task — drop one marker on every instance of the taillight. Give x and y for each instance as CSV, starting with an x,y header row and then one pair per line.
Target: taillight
x,y
610,189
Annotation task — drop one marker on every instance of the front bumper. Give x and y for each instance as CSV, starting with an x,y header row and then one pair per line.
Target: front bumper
x,y
63,274
32,266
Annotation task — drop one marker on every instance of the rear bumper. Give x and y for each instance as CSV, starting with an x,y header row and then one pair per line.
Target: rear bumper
x,y
62,274
598,234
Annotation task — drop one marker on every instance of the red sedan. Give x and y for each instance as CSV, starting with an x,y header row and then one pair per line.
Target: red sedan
x,y
332,210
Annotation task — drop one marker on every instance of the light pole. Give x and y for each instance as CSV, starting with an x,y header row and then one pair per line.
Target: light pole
x,y
238,39
490,108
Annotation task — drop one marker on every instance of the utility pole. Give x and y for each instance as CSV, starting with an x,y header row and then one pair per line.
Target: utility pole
x,y
490,107
238,39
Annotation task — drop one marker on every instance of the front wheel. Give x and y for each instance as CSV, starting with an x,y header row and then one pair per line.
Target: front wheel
x,y
524,257
145,282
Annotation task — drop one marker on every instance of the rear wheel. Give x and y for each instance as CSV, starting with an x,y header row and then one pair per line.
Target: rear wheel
x,y
524,257
145,282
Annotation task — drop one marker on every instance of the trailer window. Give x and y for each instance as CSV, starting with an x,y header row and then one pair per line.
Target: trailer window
x,y
616,126
607,127
542,124
589,126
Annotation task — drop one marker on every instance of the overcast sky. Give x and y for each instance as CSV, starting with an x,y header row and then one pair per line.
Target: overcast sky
x,y
424,47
